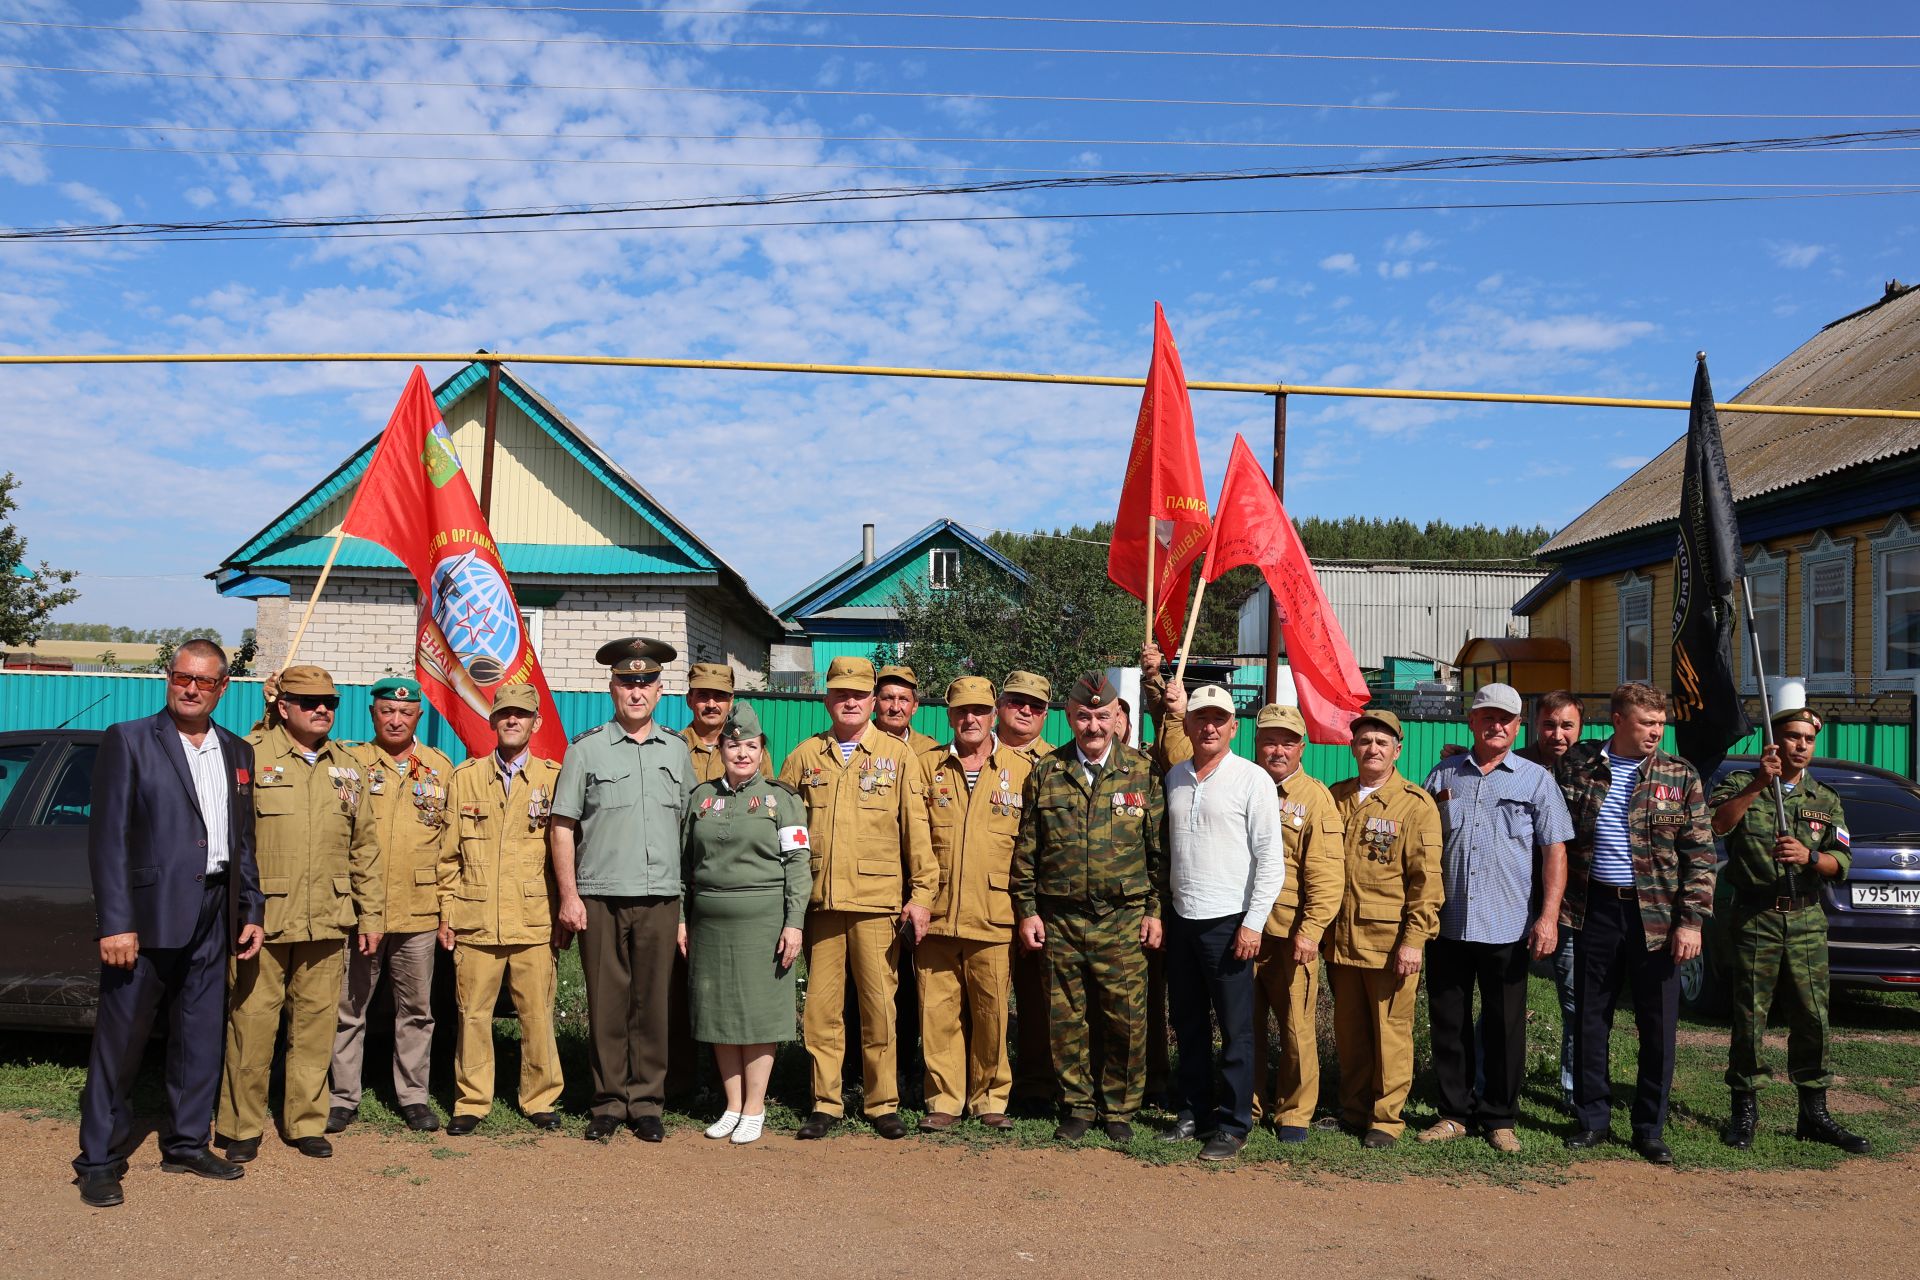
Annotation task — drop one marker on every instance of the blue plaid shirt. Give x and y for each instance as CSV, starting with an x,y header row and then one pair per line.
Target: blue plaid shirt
x,y
1491,824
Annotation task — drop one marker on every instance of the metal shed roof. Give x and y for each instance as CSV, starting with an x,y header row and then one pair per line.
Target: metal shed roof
x,y
1867,360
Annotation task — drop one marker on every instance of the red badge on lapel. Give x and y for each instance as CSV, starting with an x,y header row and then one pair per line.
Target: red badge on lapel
x,y
242,777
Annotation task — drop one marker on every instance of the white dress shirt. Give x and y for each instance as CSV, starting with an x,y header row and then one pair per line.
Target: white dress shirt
x,y
207,765
1228,855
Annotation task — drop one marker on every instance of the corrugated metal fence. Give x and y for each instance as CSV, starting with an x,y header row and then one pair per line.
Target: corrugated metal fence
x,y
47,700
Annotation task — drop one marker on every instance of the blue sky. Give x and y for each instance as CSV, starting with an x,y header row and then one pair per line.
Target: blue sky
x,y
143,478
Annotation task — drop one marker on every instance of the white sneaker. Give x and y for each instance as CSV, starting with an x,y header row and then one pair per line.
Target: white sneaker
x,y
725,1125
748,1130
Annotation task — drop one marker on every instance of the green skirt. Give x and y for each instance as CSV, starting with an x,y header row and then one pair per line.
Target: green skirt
x,y
737,991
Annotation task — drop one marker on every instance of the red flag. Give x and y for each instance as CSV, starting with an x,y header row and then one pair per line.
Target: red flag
x,y
1163,484
1251,527
414,500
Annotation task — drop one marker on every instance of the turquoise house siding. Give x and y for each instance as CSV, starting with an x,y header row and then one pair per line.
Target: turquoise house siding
x,y
914,571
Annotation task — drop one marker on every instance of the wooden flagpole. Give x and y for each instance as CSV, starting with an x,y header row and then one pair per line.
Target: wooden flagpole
x,y
333,553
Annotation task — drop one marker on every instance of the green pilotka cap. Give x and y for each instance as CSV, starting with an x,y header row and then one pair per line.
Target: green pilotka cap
x,y
742,725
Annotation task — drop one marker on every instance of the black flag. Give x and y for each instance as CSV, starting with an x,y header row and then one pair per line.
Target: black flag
x,y
1708,714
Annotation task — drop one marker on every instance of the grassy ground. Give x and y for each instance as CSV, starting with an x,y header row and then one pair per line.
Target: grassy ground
x,y
1876,1057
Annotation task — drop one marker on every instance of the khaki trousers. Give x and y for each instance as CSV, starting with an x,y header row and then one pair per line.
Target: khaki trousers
x,y
304,978
528,969
964,989
838,941
1373,1037
407,961
1292,991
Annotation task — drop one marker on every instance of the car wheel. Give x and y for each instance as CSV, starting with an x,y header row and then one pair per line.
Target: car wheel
x,y
1701,990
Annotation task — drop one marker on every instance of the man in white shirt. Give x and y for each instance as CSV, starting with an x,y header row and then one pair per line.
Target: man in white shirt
x,y
1228,863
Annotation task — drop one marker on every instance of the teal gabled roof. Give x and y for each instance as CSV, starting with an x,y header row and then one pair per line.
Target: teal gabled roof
x,y
840,586
278,546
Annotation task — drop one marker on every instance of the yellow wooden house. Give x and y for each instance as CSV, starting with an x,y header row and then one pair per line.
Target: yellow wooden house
x,y
1829,511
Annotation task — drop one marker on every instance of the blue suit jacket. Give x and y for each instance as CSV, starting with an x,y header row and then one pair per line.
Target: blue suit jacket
x,y
147,843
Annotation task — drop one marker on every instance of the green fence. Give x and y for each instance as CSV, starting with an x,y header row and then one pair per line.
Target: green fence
x,y
44,700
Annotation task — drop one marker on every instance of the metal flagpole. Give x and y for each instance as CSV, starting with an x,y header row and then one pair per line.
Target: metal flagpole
x,y
1766,715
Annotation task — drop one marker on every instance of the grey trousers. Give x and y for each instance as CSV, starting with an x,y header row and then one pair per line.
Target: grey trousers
x,y
407,961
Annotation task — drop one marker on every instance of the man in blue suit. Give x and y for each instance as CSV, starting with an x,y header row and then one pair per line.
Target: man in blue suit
x,y
176,890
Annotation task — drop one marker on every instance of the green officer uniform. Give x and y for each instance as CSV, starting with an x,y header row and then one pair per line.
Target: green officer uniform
x,y
321,875
1090,863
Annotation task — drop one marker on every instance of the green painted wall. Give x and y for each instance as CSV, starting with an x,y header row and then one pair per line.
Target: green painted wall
x,y
913,571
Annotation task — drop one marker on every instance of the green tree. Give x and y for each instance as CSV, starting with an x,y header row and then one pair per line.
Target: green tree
x,y
26,596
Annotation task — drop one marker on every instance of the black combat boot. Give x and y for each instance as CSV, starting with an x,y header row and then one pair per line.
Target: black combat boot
x,y
1745,1119
1817,1126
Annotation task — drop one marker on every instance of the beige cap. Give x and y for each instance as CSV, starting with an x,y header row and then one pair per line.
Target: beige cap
x,y
307,682
970,691
711,675
517,697
850,673
1379,720
1277,715
899,675
1210,696
1027,685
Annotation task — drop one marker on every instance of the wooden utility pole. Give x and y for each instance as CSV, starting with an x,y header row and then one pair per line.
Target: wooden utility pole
x,y
492,431
1279,492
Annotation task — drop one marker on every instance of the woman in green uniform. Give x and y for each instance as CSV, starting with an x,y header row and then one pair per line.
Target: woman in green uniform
x,y
748,875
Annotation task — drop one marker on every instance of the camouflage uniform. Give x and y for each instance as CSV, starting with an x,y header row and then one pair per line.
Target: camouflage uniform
x,y
1773,928
1667,827
1090,864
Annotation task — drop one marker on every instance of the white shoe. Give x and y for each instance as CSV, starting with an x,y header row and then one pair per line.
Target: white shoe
x,y
725,1125
748,1130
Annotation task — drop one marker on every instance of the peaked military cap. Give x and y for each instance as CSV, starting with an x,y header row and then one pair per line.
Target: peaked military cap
x,y
1094,690
519,696
899,674
635,655
711,675
396,689
742,725
307,682
970,691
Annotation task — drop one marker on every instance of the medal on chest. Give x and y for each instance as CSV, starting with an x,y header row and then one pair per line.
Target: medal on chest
x,y
539,805
377,781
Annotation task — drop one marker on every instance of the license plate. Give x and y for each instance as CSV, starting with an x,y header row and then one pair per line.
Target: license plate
x,y
1886,895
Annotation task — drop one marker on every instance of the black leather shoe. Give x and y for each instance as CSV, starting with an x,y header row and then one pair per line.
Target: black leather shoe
x,y
1745,1119
1118,1132
204,1163
461,1126
241,1150
599,1129
1072,1129
420,1118
545,1120
1222,1146
817,1125
889,1126
1818,1125
317,1147
1182,1131
649,1129
1378,1140
101,1189
1291,1133
1653,1151
1587,1139
340,1117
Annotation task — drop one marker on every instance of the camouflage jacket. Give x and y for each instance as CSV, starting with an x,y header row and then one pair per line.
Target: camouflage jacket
x,y
1814,818
1094,850
1668,828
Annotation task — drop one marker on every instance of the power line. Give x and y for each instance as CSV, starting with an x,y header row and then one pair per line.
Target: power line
x,y
903,220
663,11
936,140
662,42
949,95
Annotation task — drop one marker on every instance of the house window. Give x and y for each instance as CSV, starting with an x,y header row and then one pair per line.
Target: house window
x,y
1636,628
1827,614
1767,582
1896,592
943,568
530,622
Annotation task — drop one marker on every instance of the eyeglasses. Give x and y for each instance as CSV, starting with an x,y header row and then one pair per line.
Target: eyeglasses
x,y
640,681
313,701
1030,705
186,680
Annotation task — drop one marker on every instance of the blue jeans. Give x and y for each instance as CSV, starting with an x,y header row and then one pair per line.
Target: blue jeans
x,y
1563,979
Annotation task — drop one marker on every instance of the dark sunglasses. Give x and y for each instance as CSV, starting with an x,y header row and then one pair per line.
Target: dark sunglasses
x,y
639,681
312,701
1027,704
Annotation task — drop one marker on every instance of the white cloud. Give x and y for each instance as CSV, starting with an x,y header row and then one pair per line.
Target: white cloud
x,y
1576,333
1344,263
1794,257
1409,245
91,200
1628,461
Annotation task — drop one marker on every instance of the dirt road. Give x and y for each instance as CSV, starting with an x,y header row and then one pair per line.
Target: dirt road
x,y
860,1206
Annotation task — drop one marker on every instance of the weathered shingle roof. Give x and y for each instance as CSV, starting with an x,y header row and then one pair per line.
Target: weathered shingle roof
x,y
1868,360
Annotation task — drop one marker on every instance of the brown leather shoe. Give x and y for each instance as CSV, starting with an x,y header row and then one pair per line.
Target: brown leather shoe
x,y
996,1120
1443,1131
938,1122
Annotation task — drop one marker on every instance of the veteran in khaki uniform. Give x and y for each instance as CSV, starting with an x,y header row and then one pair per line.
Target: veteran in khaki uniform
x,y
1089,875
405,793
874,878
974,791
497,912
896,697
320,874
1018,717
1287,972
710,698
1391,908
